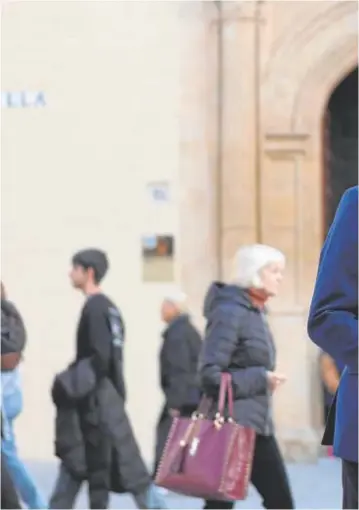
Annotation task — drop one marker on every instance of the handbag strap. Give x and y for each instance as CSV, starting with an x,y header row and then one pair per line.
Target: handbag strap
x,y
204,406
225,393
230,398
225,390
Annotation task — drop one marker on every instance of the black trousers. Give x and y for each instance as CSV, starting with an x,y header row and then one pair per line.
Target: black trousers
x,y
9,497
269,477
350,484
67,489
98,459
163,427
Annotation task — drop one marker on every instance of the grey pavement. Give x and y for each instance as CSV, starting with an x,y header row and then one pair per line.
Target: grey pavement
x,y
314,486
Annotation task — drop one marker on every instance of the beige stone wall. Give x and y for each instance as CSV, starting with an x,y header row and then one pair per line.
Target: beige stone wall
x,y
74,174
133,92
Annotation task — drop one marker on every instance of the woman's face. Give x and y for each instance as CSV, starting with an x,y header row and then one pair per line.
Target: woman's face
x,y
271,277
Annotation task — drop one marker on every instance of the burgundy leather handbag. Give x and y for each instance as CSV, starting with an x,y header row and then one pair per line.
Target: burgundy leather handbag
x,y
209,459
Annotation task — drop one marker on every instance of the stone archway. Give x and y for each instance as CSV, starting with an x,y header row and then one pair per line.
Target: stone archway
x,y
300,67
297,85
318,57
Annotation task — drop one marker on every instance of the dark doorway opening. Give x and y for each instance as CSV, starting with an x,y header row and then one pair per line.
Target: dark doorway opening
x,y
340,144
340,173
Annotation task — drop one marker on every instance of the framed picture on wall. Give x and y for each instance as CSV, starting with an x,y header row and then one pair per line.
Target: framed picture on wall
x,y
158,258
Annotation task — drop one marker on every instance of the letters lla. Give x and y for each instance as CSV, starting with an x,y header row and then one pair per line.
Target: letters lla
x,y
23,99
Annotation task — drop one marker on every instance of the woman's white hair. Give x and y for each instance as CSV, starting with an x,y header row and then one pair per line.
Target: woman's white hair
x,y
248,262
177,298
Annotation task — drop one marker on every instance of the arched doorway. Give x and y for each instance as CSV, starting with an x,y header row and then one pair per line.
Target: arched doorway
x,y
340,144
340,153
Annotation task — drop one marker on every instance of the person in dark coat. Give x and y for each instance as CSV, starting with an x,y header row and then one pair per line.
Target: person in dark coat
x,y
178,366
238,340
333,326
94,438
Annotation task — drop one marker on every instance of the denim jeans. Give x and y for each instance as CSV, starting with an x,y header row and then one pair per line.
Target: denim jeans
x,y
12,406
67,489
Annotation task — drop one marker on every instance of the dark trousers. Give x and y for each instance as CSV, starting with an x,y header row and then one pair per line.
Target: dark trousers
x,y
163,428
350,484
269,477
9,497
98,460
67,489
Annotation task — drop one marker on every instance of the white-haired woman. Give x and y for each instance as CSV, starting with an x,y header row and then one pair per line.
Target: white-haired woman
x,y
179,357
238,341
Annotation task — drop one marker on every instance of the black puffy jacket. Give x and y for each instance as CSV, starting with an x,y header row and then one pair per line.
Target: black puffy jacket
x,y
238,340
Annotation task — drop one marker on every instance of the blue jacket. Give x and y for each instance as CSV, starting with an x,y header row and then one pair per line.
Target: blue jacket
x,y
333,321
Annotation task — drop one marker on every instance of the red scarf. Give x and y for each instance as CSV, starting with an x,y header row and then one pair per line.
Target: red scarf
x,y
258,297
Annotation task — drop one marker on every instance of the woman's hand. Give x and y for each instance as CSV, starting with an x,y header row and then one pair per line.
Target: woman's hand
x,y
275,379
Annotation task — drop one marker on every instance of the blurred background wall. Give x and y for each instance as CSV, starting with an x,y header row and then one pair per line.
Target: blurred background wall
x,y
213,124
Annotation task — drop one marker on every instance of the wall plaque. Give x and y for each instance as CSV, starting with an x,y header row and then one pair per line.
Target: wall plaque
x,y
158,258
158,193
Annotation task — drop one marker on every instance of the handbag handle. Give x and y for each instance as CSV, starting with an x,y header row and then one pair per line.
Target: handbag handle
x,y
226,390
204,406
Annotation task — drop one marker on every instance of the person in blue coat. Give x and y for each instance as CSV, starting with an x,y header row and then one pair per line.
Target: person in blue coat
x,y
333,326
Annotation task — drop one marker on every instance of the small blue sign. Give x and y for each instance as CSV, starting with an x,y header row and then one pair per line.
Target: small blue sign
x,y
23,99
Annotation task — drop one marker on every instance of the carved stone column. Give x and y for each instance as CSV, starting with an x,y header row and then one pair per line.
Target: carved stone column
x,y
197,243
283,203
239,129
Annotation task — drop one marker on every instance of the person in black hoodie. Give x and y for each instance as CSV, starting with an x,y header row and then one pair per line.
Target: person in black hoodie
x,y
179,357
94,438
238,340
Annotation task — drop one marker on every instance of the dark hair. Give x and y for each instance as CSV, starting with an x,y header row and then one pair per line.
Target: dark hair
x,y
94,259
